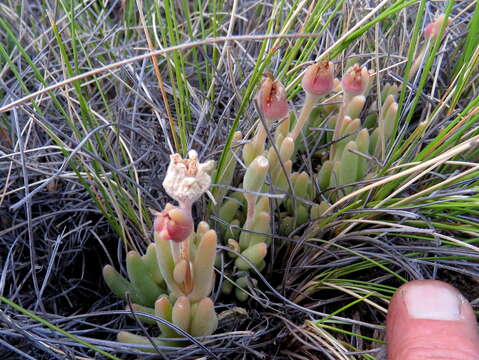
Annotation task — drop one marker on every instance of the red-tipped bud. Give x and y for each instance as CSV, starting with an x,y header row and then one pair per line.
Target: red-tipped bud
x,y
318,78
355,81
272,99
431,31
173,223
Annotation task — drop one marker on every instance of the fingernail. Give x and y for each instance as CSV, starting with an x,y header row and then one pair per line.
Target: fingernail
x,y
433,301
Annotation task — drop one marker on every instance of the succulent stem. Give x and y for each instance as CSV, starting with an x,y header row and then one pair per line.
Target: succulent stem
x,y
251,201
339,123
260,137
176,251
183,252
308,105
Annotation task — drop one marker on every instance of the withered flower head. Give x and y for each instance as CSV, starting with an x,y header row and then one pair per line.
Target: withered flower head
x,y
187,179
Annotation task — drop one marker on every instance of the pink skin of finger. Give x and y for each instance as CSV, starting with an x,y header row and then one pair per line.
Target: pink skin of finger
x,y
431,320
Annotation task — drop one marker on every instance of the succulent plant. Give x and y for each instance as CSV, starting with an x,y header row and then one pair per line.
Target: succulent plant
x,y
352,147
269,169
176,275
145,283
174,278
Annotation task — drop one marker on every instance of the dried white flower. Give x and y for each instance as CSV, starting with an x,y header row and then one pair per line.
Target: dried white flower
x,y
187,179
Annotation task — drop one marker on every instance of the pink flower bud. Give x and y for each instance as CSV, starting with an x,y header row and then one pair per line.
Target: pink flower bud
x,y
318,78
173,223
355,81
431,31
271,99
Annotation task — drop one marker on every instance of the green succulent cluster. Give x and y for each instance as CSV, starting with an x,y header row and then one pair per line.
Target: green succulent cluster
x,y
145,284
154,286
358,141
245,216
248,247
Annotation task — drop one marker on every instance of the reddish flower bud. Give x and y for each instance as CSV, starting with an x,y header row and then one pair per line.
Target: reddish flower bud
x,y
173,223
271,99
431,31
355,81
318,78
